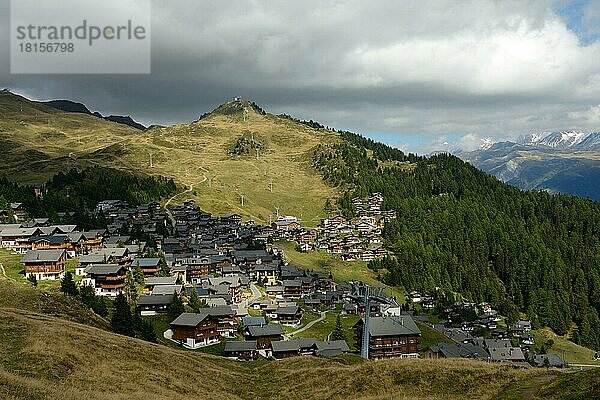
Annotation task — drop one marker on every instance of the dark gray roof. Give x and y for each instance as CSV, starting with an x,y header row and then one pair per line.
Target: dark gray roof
x,y
332,344
248,345
166,289
253,321
103,269
293,310
160,280
460,350
33,256
151,300
145,262
391,326
189,319
265,330
219,311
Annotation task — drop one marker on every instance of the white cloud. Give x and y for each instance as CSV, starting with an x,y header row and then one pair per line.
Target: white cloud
x,y
587,117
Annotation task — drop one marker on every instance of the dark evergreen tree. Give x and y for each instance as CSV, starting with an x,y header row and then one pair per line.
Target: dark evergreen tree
x,y
122,321
68,285
176,307
338,331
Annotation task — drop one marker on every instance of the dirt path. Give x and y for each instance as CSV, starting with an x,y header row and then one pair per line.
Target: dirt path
x,y
309,325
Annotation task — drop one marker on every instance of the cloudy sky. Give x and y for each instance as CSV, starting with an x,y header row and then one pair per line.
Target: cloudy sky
x,y
421,75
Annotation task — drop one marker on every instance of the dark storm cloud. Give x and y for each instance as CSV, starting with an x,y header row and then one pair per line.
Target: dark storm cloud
x,y
496,69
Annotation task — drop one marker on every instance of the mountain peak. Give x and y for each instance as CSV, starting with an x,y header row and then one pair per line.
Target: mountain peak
x,y
560,140
236,107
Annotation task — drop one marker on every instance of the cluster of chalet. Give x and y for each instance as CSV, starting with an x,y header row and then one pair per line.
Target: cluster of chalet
x,y
501,344
356,239
46,247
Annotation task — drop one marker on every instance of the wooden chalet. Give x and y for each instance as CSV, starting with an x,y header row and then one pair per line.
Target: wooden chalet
x,y
154,304
390,336
106,279
264,335
149,266
45,264
241,351
194,330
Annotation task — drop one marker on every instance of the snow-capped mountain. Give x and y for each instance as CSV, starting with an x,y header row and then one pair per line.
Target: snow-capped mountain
x,y
567,162
555,140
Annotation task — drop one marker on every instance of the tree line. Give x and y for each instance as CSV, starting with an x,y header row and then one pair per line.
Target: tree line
x,y
78,192
463,230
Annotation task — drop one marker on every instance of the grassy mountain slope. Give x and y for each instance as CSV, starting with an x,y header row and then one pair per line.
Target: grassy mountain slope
x,y
41,140
43,357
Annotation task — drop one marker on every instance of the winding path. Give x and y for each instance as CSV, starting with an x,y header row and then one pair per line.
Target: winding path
x,y
309,325
173,222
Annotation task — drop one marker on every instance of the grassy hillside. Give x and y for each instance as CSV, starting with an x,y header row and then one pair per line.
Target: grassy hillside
x,y
41,141
90,363
564,348
342,271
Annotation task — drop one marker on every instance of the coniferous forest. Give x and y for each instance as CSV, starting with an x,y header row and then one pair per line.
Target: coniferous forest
x,y
78,192
461,229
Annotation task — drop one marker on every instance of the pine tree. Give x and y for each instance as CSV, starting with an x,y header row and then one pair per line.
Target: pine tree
x,y
194,301
338,331
176,307
87,296
121,321
138,274
143,329
130,287
68,285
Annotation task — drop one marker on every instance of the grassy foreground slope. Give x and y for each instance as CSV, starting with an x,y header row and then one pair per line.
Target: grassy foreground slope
x,y
40,141
43,357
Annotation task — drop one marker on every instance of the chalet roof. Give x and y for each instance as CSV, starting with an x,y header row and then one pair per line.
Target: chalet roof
x,y
92,259
339,346
392,326
160,280
53,239
146,262
104,269
233,346
253,321
460,350
189,319
19,232
33,256
112,251
265,330
293,310
280,346
166,289
153,300
219,311
507,354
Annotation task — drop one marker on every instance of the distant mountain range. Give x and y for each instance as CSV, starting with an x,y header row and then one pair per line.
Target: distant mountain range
x,y
72,106
565,162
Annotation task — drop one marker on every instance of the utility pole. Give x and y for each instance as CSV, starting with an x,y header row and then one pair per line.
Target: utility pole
x,y
257,154
242,197
277,210
364,348
151,165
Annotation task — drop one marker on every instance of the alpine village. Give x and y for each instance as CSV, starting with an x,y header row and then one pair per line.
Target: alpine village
x,y
408,259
